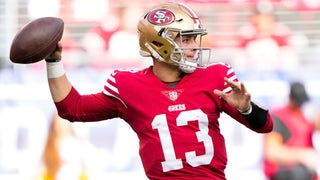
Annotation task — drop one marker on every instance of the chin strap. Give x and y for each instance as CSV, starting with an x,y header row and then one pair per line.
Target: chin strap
x,y
188,67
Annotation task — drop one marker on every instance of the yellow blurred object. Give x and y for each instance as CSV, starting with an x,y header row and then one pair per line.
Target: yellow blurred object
x,y
45,176
83,176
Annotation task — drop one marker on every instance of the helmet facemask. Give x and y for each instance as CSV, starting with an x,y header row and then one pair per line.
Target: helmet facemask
x,y
201,56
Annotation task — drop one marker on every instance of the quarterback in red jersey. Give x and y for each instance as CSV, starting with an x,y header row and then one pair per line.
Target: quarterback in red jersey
x,y
173,105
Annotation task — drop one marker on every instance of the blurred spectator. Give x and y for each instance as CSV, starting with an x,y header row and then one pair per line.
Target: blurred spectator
x,y
302,5
289,151
73,53
266,43
62,156
106,41
96,40
126,37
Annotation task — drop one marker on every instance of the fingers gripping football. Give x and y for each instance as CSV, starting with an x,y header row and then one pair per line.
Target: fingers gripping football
x,y
55,55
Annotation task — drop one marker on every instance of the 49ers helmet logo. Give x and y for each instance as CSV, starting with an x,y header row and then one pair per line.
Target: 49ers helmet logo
x,y
161,17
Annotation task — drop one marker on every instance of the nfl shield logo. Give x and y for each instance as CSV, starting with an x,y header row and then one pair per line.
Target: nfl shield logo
x,y
173,95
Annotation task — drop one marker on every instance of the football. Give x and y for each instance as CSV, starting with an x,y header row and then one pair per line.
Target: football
x,y
36,40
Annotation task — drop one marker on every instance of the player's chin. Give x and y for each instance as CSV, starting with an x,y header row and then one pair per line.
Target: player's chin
x,y
190,59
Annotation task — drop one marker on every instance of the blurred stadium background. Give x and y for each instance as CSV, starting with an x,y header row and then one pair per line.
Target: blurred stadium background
x,y
26,108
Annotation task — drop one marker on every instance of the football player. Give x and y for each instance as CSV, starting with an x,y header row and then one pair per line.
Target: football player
x,y
174,105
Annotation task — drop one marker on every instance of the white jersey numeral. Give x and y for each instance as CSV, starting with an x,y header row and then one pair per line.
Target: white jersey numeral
x,y
171,162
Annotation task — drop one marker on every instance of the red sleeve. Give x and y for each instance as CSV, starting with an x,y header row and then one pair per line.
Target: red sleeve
x,y
87,108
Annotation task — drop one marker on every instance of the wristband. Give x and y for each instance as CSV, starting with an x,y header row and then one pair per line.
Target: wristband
x,y
248,111
258,117
55,69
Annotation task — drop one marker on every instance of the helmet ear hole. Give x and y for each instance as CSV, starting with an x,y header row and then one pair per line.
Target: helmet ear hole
x,y
156,43
159,45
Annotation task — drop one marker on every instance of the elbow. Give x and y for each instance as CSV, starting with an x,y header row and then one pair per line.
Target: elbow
x,y
68,116
269,124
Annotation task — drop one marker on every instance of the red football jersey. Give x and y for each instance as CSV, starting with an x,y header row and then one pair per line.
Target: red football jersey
x,y
177,127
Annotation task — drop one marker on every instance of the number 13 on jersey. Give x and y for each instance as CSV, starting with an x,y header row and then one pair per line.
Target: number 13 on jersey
x,y
171,162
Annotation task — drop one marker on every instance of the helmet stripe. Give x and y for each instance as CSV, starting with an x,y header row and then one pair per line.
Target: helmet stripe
x,y
195,17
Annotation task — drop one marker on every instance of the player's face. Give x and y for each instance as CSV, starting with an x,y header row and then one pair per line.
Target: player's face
x,y
188,43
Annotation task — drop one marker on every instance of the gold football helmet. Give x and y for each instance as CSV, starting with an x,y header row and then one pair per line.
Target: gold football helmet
x,y
161,25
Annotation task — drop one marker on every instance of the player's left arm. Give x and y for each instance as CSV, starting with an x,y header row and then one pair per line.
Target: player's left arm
x,y
238,104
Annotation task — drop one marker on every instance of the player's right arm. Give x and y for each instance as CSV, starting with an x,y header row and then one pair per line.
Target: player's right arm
x,y
70,104
59,85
